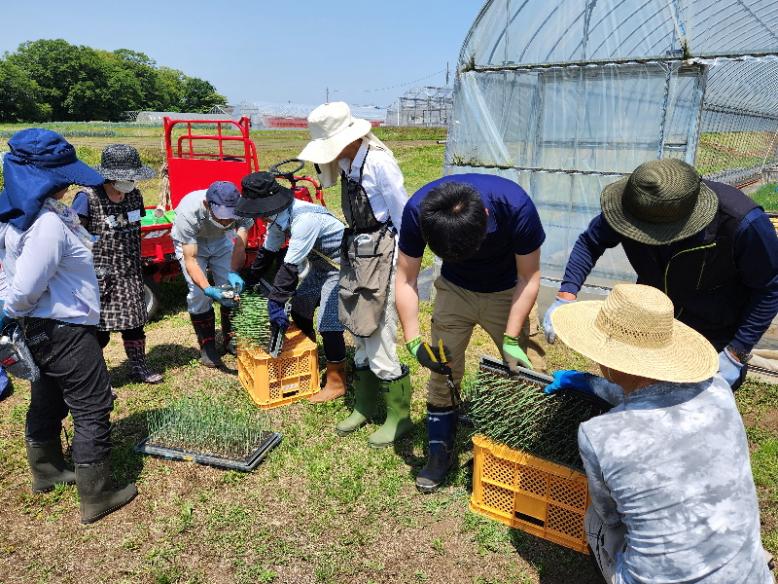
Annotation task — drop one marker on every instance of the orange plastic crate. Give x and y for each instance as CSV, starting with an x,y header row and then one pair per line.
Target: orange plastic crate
x,y
529,493
292,376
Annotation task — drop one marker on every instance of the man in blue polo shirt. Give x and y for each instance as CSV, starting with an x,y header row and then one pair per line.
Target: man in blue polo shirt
x,y
488,233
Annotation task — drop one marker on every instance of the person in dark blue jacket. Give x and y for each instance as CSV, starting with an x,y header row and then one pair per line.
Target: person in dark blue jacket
x,y
705,244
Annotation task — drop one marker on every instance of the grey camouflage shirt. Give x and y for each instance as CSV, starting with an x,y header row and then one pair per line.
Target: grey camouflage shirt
x,y
670,464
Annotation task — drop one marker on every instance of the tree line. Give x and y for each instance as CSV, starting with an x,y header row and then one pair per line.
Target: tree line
x,y
48,80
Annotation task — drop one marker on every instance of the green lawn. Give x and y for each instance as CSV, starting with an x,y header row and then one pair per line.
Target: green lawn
x,y
320,508
767,197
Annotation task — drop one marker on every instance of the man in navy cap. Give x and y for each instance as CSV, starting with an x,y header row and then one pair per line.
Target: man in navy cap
x,y
208,236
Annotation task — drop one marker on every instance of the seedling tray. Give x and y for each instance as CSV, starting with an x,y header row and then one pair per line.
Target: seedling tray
x,y
269,441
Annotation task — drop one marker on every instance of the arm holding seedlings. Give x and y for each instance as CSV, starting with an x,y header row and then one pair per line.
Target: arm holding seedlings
x,y
192,267
524,297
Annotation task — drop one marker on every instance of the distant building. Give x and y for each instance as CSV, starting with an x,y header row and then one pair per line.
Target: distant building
x,y
423,106
153,118
267,115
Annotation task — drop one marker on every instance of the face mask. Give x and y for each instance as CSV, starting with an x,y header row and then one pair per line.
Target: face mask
x,y
124,186
218,225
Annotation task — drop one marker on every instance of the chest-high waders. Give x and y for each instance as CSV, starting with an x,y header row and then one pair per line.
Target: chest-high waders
x,y
367,261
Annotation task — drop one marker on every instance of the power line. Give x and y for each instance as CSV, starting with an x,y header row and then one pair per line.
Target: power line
x,y
405,83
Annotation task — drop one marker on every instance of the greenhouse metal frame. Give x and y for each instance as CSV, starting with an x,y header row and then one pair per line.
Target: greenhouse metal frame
x,y
565,97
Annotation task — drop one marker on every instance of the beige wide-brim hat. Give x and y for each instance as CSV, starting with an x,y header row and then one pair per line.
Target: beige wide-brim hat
x,y
633,331
332,128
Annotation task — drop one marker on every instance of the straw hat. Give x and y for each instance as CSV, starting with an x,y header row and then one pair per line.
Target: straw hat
x,y
662,201
332,129
633,331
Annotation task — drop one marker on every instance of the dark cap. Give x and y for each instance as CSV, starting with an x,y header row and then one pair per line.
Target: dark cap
x,y
222,196
263,196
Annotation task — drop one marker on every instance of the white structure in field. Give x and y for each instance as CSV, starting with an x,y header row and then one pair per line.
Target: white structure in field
x,y
567,96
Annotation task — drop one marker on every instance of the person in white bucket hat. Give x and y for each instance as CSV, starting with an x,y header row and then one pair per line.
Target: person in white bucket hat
x,y
672,495
372,198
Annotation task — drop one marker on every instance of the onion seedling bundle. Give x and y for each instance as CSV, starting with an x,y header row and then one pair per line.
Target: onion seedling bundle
x,y
250,320
516,413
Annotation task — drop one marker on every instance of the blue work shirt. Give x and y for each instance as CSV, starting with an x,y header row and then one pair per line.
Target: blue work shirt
x,y
50,273
513,228
755,254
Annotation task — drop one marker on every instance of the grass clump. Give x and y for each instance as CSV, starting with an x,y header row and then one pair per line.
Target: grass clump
x,y
520,416
204,425
250,320
767,197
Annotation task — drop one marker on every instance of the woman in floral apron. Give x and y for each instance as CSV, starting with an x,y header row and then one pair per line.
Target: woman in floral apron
x,y
112,212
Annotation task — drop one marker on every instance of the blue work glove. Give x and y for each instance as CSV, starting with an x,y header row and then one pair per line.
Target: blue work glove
x,y
214,293
571,380
277,314
548,328
236,282
729,367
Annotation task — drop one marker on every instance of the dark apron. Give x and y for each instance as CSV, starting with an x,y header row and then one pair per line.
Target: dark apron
x,y
366,260
117,259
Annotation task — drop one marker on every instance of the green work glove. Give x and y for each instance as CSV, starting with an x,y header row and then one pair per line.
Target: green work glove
x,y
433,359
512,353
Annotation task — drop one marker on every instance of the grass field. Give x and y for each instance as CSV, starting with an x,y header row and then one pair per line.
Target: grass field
x,y
320,508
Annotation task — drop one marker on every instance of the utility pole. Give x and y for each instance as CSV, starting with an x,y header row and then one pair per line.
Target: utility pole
x,y
446,73
327,99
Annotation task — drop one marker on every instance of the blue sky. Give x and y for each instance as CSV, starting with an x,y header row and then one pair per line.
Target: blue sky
x,y
366,52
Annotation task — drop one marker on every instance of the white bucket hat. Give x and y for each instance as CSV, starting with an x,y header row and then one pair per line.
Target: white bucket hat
x,y
332,128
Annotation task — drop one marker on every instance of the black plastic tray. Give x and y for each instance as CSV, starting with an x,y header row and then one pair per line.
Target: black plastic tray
x,y
269,441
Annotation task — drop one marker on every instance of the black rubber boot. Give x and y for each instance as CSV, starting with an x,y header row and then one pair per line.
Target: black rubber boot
x,y
48,466
98,498
136,355
441,432
228,335
205,328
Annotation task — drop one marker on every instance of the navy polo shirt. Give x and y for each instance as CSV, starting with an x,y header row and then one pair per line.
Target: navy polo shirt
x,y
513,228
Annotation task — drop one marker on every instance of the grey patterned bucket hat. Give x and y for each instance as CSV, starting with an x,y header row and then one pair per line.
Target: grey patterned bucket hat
x,y
122,162
662,201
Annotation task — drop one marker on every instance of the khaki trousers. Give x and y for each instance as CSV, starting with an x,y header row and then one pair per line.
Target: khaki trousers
x,y
454,316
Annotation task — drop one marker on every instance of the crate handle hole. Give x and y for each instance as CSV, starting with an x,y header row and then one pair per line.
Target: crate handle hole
x,y
530,519
290,393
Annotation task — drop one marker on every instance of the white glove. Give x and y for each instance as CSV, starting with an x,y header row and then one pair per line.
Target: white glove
x,y
548,328
729,367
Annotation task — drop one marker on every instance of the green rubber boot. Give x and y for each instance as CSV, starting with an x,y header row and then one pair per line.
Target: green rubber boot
x,y
365,401
398,409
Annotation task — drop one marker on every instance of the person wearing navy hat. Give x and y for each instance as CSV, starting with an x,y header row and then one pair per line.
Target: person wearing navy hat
x,y
112,212
53,294
209,236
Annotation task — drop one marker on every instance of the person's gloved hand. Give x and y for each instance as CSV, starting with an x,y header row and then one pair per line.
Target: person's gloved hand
x,y
215,293
570,380
729,367
548,328
236,282
435,360
277,314
512,354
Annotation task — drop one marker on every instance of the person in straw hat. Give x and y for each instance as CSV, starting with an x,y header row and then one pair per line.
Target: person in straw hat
x,y
372,199
672,496
112,212
705,244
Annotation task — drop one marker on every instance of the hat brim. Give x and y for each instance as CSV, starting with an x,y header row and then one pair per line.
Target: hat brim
x,y
689,358
324,150
223,211
142,173
612,204
266,206
77,173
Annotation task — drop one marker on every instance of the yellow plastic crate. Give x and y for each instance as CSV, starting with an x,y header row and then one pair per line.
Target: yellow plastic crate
x,y
529,493
290,377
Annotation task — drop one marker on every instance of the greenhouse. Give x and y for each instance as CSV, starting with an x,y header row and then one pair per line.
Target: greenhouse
x,y
565,97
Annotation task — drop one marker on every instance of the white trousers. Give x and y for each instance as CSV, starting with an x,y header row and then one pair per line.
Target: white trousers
x,y
213,255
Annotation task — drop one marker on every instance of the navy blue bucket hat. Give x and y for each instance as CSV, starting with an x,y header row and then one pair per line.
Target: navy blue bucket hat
x,y
39,164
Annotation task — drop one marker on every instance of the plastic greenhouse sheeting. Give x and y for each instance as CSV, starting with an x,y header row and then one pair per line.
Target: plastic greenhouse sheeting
x,y
565,97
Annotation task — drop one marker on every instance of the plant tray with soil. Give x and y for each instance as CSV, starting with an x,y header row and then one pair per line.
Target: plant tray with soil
x,y
206,431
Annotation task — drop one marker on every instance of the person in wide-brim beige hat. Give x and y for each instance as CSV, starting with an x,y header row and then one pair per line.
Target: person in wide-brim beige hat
x,y
332,129
633,331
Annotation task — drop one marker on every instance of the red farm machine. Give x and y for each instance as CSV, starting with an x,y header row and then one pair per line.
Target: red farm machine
x,y
199,152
